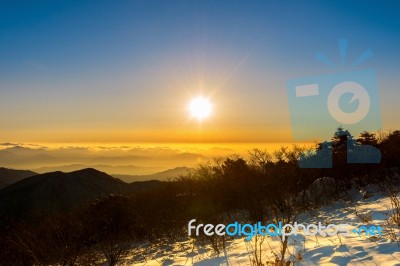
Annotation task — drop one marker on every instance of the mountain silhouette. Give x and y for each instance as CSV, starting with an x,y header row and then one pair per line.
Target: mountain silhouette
x,y
163,176
121,169
10,176
53,192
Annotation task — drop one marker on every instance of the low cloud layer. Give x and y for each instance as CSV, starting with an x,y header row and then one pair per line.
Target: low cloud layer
x,y
131,160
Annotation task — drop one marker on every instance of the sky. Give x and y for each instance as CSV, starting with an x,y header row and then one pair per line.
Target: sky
x,y
125,71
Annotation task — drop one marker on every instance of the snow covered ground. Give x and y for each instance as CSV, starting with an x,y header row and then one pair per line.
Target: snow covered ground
x,y
306,250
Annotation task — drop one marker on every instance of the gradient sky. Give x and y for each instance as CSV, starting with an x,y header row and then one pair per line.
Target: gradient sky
x,y
125,71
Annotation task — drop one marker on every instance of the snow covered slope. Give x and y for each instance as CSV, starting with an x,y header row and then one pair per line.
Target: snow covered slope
x,y
302,250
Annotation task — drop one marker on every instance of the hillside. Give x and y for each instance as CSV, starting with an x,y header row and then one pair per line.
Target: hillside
x,y
353,249
59,191
10,176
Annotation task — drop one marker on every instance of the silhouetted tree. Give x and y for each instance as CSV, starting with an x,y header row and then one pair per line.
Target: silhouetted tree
x,y
367,138
390,149
112,227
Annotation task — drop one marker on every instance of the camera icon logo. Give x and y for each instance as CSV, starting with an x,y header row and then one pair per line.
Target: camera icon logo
x,y
320,104
358,92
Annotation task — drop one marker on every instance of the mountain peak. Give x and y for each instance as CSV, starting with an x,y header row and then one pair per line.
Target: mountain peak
x,y
58,191
88,171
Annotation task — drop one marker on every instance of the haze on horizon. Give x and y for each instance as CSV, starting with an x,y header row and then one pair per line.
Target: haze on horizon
x,y
126,159
125,72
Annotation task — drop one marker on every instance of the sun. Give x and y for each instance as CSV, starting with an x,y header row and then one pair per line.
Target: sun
x,y
200,108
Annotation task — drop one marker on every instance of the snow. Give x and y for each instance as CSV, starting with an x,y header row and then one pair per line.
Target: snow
x,y
305,250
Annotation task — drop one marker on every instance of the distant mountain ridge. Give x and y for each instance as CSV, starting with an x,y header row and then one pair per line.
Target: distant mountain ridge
x,y
125,159
58,191
11,176
101,167
163,176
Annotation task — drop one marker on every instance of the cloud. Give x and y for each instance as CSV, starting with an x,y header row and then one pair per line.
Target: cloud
x,y
126,159
7,144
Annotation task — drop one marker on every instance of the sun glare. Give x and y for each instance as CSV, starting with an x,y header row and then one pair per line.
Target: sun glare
x,y
200,108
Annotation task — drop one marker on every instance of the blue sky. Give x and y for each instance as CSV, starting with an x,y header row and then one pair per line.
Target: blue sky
x,y
126,69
